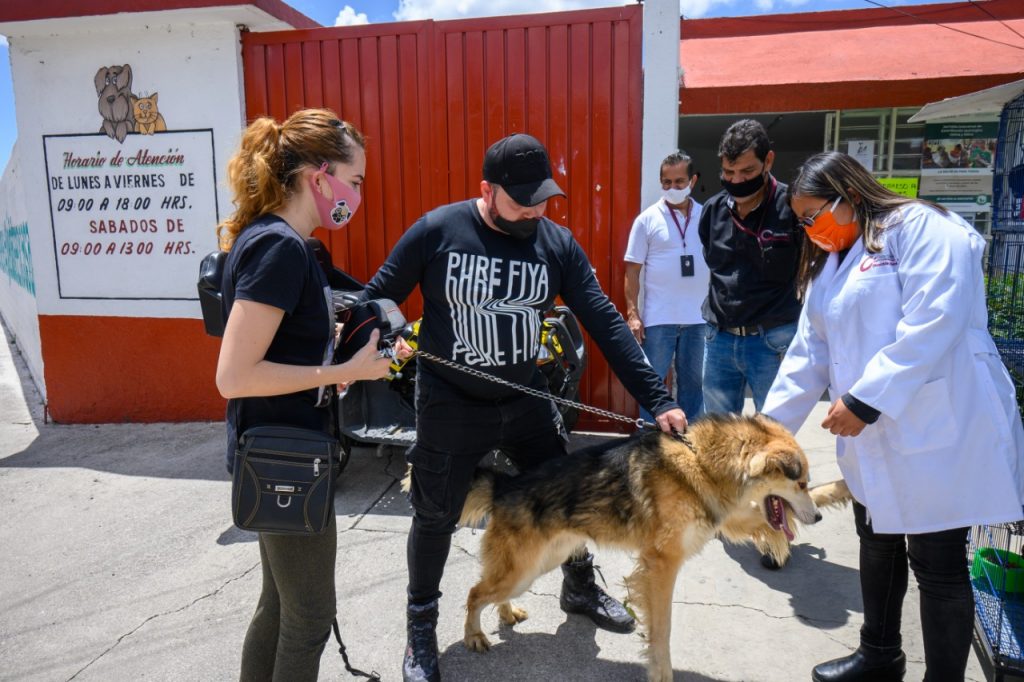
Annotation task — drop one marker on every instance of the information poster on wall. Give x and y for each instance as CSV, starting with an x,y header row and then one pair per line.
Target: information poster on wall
x,y
956,164
128,217
863,151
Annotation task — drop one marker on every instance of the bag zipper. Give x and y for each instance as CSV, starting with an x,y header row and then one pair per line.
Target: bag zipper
x,y
284,453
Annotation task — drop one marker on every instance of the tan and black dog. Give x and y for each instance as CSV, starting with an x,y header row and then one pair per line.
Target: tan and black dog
x,y
660,497
751,524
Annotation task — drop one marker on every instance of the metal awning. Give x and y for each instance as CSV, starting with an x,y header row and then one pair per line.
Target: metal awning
x,y
988,101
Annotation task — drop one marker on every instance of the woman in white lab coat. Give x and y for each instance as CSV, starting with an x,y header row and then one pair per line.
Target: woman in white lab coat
x,y
894,326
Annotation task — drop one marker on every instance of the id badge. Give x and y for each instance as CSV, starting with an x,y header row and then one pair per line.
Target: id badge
x,y
686,265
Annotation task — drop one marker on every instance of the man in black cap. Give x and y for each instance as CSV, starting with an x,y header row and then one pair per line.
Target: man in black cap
x,y
488,269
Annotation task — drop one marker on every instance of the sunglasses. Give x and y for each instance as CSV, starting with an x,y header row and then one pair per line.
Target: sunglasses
x,y
809,220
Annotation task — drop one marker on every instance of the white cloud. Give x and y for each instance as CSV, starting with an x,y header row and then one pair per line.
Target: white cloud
x,y
691,9
3,40
349,17
459,9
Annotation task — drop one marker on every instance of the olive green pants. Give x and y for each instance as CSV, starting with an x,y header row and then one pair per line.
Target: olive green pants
x,y
296,608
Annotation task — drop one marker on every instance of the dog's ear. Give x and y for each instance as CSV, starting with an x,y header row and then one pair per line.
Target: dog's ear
x,y
153,97
785,461
124,79
133,98
100,81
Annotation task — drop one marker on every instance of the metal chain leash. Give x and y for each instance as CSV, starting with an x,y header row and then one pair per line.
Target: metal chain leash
x,y
638,423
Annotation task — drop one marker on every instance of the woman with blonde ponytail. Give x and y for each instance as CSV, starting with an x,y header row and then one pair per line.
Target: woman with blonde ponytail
x,y
274,365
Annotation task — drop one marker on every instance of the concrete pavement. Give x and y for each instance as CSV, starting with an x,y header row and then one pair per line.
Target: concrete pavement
x,y
119,562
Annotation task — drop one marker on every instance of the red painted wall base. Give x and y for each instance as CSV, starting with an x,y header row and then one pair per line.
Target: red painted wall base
x,y
124,369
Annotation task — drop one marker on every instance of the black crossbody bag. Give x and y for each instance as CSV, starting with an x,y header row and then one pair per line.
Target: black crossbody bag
x,y
283,480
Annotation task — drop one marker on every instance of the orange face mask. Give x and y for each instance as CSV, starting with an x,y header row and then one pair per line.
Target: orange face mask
x,y
823,230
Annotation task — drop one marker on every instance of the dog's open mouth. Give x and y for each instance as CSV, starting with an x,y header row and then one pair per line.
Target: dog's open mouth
x,y
775,511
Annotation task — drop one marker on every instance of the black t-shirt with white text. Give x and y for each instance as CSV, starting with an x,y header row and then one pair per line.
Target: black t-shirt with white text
x,y
484,297
270,263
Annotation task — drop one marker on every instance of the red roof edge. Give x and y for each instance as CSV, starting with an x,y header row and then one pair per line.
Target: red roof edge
x,y
911,92
729,27
34,10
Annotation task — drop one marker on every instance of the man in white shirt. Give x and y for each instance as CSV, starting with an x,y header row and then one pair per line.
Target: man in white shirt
x,y
665,244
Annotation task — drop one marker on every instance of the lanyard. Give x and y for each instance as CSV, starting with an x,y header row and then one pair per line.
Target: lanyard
x,y
682,230
761,236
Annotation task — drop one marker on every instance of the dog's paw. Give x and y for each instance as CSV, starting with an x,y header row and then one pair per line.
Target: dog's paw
x,y
660,675
477,642
511,614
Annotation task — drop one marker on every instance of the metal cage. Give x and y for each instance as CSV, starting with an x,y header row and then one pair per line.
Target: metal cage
x,y
1004,289
1008,178
1005,267
997,578
996,552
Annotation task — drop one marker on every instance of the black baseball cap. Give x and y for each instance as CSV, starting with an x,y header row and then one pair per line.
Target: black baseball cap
x,y
519,163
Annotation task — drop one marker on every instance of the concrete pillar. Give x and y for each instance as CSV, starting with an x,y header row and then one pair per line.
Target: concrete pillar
x,y
661,91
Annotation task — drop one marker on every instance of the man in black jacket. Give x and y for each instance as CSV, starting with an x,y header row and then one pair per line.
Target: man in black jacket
x,y
488,269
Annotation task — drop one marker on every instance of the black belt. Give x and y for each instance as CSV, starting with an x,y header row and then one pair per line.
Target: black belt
x,y
750,330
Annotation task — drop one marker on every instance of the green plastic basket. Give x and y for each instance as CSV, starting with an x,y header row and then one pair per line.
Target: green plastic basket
x,y
1003,568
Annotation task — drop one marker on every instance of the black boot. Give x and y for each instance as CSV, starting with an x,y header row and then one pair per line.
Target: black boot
x,y
866,664
420,664
580,594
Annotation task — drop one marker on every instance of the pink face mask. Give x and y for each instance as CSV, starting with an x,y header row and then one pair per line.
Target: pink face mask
x,y
335,214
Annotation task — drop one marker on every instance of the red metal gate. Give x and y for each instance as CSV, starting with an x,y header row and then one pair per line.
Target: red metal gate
x,y
432,96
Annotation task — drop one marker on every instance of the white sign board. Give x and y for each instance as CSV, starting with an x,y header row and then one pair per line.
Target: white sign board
x,y
863,151
128,217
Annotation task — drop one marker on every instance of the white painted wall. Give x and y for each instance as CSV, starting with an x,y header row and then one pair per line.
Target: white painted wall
x,y
17,278
194,67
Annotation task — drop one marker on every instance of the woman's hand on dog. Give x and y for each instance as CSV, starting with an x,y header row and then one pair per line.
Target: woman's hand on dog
x,y
672,420
841,422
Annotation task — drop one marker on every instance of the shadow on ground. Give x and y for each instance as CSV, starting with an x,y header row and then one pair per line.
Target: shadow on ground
x,y
527,657
821,592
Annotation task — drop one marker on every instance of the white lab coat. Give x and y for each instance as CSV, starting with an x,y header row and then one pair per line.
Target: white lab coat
x,y
906,332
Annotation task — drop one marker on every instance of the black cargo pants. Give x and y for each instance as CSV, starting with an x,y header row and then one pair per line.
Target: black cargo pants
x,y
453,433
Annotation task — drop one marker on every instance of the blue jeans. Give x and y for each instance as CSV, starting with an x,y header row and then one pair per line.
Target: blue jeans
x,y
731,363
685,342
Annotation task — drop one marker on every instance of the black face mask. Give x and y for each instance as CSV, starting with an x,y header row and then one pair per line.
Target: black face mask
x,y
520,229
744,189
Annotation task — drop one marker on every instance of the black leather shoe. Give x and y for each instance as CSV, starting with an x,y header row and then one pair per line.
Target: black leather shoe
x,y
420,664
769,562
580,594
857,667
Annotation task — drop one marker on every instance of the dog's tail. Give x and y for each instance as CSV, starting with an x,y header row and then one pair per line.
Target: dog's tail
x,y
480,499
834,494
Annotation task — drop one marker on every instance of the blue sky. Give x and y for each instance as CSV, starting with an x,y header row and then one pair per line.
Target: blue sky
x,y
343,12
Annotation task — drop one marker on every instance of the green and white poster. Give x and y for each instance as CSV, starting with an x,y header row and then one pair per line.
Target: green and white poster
x,y
956,165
